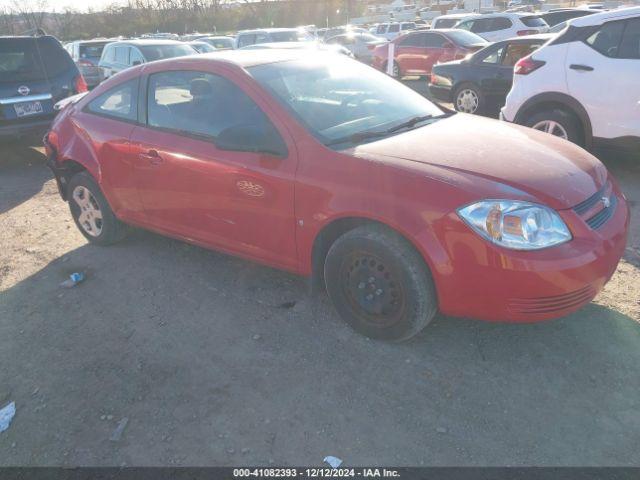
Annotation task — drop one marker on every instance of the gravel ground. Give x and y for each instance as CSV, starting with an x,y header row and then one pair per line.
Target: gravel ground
x,y
217,361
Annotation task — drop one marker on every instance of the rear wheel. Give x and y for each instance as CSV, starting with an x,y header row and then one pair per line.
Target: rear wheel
x,y
557,122
91,211
379,283
468,99
395,71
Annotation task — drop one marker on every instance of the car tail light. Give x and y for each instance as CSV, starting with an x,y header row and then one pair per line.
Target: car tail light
x,y
85,63
526,65
522,33
81,85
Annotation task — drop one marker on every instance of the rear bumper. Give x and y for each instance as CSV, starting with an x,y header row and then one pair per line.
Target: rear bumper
x,y
491,283
22,128
440,93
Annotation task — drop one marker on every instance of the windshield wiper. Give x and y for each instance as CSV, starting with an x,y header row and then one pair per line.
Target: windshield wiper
x,y
409,123
367,134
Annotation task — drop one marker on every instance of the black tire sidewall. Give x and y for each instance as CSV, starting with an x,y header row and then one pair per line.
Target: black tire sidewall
x,y
567,120
110,224
420,299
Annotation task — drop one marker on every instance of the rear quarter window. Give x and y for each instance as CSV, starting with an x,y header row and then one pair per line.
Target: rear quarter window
x,y
500,23
534,22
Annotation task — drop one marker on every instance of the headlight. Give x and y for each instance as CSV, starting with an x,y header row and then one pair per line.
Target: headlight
x,y
516,225
440,80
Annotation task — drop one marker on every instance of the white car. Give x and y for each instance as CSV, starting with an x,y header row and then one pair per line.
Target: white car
x,y
495,27
392,30
448,21
584,84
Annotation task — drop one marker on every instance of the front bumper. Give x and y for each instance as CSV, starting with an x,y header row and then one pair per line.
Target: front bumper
x,y
496,284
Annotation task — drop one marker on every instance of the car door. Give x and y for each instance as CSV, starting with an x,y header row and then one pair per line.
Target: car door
x,y
410,53
437,48
193,187
107,122
603,74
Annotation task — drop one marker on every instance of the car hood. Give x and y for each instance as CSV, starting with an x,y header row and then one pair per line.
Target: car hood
x,y
488,158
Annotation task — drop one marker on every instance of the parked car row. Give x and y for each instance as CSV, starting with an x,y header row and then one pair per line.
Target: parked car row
x,y
580,84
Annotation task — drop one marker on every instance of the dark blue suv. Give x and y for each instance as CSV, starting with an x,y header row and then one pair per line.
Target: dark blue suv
x,y
35,73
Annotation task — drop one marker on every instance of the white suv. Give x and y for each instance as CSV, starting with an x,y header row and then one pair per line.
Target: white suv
x,y
495,27
584,84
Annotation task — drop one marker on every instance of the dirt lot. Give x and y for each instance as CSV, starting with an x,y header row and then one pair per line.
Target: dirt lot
x,y
217,361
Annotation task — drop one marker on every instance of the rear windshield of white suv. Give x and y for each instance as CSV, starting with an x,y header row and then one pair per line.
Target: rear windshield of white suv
x,y
30,58
534,22
92,50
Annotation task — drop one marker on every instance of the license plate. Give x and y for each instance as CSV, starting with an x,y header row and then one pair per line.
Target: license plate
x,y
27,108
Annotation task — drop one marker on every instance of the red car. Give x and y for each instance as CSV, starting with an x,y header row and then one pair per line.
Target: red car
x,y
325,167
415,53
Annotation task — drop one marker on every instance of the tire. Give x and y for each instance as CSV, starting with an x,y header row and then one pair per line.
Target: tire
x,y
564,124
468,98
100,225
379,284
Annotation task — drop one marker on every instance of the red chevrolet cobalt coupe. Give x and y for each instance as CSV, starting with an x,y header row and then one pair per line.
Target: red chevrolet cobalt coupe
x,y
327,168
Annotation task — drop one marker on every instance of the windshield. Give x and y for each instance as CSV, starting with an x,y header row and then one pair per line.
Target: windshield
x,y
219,43
446,22
92,50
286,36
335,97
465,38
158,52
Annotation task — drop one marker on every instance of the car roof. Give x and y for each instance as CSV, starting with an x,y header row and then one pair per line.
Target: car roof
x,y
457,15
148,41
598,18
245,58
268,30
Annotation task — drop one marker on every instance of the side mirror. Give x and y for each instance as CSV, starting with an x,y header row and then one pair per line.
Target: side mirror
x,y
252,138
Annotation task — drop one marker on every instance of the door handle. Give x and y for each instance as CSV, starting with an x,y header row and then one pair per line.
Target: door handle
x,y
152,156
582,68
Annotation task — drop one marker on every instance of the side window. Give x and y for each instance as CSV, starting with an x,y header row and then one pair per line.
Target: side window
x,y
500,23
494,57
201,104
110,54
466,25
630,46
262,38
412,40
248,39
136,57
434,40
516,51
481,25
121,102
394,28
607,39
381,29
122,55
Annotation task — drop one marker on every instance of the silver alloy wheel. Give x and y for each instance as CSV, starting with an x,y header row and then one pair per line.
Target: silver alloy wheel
x,y
552,127
467,101
90,217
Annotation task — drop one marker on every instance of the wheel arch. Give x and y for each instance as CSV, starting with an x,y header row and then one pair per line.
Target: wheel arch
x,y
337,227
549,100
68,169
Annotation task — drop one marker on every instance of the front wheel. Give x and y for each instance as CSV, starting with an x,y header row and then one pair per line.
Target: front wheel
x,y
379,284
91,211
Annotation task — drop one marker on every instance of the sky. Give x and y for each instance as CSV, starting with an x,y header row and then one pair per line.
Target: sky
x,y
59,5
